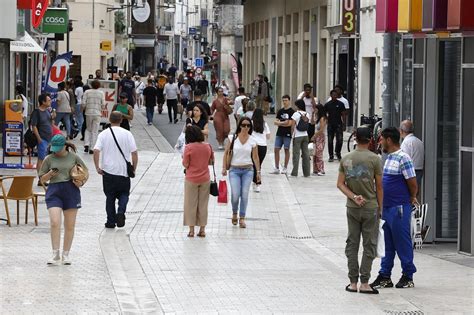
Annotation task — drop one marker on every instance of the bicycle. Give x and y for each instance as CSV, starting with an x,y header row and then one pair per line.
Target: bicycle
x,y
375,124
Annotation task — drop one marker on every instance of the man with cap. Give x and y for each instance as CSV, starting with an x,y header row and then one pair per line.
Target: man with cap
x,y
110,162
360,179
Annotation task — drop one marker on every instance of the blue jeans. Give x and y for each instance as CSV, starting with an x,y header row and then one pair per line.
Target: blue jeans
x,y
66,119
397,240
149,114
42,149
79,117
240,180
115,188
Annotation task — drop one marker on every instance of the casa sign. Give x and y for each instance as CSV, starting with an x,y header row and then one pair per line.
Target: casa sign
x,y
39,8
55,21
349,10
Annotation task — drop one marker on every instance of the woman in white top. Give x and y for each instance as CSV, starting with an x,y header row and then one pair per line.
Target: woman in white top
x,y
63,110
242,149
261,133
300,139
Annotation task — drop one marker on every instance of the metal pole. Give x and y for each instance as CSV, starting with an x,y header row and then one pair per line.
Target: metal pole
x,y
388,77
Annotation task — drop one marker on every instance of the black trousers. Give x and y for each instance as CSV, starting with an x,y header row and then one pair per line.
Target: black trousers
x,y
115,188
172,105
335,130
311,130
262,152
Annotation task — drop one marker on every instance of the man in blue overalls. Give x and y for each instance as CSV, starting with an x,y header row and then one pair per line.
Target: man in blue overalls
x,y
399,194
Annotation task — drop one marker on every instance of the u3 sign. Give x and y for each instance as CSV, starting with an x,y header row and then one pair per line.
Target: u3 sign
x,y
349,10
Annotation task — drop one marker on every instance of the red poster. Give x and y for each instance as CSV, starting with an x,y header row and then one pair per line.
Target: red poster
x,y
39,8
24,4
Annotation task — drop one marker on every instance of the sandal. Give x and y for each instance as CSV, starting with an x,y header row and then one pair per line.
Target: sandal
x,y
373,291
348,289
234,219
242,223
191,234
201,234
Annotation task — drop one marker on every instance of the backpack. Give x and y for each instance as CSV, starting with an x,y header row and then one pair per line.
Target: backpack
x,y
29,136
303,123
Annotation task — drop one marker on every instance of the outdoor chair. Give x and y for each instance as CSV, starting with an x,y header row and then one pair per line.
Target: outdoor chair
x,y
20,189
41,193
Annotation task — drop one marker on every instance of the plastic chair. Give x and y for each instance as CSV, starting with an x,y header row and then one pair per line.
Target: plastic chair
x,y
37,194
20,189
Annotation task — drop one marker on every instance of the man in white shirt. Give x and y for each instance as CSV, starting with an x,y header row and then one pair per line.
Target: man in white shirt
x,y
113,168
238,102
171,92
310,102
414,147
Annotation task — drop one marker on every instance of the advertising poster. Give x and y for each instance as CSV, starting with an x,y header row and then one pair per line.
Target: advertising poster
x,y
57,73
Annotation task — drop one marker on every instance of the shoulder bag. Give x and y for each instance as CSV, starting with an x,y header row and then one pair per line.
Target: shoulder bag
x,y
214,189
130,170
229,154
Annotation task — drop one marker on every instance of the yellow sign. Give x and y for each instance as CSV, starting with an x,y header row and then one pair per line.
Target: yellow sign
x,y
106,45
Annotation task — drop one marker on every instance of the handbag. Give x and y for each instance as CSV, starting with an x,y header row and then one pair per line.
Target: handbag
x,y
214,190
229,153
180,108
79,174
130,169
222,198
381,240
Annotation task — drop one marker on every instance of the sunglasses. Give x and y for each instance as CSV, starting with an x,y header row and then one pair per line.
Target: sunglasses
x,y
245,125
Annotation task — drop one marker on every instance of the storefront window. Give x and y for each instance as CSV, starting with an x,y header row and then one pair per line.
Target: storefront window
x,y
407,78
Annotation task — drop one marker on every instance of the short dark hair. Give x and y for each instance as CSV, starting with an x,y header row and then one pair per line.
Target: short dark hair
x,y
286,96
241,90
193,134
150,81
391,133
239,129
300,104
333,91
307,86
338,86
61,86
42,98
19,89
95,84
363,135
197,92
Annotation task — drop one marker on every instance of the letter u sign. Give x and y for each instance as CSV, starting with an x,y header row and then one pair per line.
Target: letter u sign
x,y
349,17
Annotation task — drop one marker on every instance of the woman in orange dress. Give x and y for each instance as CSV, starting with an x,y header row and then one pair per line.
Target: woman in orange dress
x,y
220,111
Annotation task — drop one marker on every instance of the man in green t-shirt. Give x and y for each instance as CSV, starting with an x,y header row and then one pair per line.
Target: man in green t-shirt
x,y
360,179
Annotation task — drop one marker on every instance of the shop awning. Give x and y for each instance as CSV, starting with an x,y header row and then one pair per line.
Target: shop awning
x,y
26,45
144,42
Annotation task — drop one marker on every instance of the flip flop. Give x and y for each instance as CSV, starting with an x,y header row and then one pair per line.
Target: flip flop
x,y
348,289
373,291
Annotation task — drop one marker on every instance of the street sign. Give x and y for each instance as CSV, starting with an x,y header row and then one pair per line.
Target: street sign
x,y
204,23
106,45
55,21
199,62
110,89
198,70
349,16
192,31
39,8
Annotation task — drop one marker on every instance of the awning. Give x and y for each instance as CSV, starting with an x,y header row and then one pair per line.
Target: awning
x,y
144,42
26,45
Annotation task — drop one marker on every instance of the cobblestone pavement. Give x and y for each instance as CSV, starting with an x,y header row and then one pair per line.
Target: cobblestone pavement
x,y
290,259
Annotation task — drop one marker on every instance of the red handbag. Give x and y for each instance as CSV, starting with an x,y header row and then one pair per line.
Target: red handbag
x,y
222,198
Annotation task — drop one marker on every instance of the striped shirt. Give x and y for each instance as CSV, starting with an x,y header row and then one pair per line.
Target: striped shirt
x,y
92,101
398,168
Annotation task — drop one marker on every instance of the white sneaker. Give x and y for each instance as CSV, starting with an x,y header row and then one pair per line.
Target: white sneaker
x,y
284,170
275,171
220,147
66,260
321,174
257,188
55,259
254,187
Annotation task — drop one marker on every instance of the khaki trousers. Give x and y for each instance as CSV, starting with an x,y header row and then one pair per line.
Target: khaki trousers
x,y
196,200
92,131
361,222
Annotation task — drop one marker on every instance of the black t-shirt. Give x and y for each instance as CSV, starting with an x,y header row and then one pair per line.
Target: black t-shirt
x,y
201,123
127,87
204,105
284,115
203,86
150,94
334,110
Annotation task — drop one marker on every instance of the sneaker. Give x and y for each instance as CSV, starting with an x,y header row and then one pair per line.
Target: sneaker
x,y
55,259
339,157
405,282
110,225
220,147
257,188
120,218
176,120
284,170
91,152
314,174
321,174
66,260
86,148
382,282
275,171
331,159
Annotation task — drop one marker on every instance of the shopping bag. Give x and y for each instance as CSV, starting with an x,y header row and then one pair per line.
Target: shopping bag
x,y
180,144
222,198
381,240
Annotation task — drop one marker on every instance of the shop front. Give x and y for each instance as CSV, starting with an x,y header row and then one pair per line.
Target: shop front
x,y
436,90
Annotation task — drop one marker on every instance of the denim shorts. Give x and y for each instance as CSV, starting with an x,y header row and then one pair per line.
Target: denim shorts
x,y
42,149
282,141
63,195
